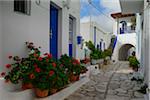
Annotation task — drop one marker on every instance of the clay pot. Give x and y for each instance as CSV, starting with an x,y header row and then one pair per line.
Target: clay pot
x,y
41,93
105,62
74,78
53,91
27,86
135,69
77,78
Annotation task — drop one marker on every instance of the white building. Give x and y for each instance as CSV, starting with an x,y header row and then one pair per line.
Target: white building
x,y
47,23
142,10
91,31
124,30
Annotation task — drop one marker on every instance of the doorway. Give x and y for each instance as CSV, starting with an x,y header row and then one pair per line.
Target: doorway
x,y
54,31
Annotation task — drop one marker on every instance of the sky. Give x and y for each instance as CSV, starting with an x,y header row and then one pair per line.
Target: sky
x,y
100,14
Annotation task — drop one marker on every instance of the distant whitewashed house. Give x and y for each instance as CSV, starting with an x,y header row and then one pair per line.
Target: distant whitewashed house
x,y
52,24
91,31
124,30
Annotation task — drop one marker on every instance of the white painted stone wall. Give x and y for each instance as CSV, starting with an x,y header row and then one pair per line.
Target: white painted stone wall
x,y
18,28
146,44
117,25
0,35
128,38
88,33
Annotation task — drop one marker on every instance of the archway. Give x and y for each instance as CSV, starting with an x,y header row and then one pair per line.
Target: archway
x,y
125,51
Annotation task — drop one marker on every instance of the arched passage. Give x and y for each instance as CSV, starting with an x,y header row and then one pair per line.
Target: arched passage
x,y
125,51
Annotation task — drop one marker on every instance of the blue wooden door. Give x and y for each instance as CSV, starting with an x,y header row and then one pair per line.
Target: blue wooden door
x,y
70,36
53,31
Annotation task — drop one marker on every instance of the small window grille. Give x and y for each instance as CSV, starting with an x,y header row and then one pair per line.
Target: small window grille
x,y
22,6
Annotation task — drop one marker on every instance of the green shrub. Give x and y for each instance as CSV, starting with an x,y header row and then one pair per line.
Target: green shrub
x,y
133,62
96,54
90,45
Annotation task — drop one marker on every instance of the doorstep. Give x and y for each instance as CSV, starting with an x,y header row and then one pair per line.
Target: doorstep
x,y
61,95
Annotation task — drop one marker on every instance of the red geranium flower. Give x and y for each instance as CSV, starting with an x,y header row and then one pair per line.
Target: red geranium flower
x,y
54,64
10,57
35,65
40,59
32,76
8,66
3,74
51,73
38,70
74,63
35,55
49,56
61,65
47,60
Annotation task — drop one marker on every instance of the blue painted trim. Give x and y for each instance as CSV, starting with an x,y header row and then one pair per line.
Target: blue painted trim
x,y
54,28
115,42
70,50
100,45
95,36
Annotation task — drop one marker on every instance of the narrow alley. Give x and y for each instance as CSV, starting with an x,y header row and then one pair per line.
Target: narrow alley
x,y
74,49
112,83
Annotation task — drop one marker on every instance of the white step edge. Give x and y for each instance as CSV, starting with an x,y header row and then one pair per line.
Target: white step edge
x,y
61,95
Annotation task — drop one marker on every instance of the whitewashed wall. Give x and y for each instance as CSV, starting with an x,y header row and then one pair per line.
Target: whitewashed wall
x,y
100,34
146,44
85,31
19,28
0,35
128,38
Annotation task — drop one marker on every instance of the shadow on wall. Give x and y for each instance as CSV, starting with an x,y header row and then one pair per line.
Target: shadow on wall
x,y
125,51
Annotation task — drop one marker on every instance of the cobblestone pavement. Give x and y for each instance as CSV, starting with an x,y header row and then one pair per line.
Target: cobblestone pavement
x,y
112,83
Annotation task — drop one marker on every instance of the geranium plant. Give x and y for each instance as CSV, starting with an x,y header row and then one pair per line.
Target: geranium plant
x,y
21,68
72,67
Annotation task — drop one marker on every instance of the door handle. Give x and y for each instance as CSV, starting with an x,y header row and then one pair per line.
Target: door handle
x,y
51,33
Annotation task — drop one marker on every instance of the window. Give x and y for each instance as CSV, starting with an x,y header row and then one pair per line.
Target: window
x,y
95,35
22,6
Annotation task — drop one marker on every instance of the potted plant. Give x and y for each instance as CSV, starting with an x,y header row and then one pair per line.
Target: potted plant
x,y
49,76
106,55
29,66
18,70
72,67
95,55
134,63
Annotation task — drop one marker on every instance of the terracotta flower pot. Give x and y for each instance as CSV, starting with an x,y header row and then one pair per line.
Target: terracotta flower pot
x,y
74,78
27,86
53,91
135,69
41,93
77,78
105,62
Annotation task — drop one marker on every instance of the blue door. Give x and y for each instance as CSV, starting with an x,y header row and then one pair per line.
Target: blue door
x,y
70,36
53,31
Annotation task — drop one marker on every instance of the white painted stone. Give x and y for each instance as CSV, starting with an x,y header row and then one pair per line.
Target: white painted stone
x,y
138,95
119,90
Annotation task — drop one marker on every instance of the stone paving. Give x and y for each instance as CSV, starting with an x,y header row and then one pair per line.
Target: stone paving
x,y
112,83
